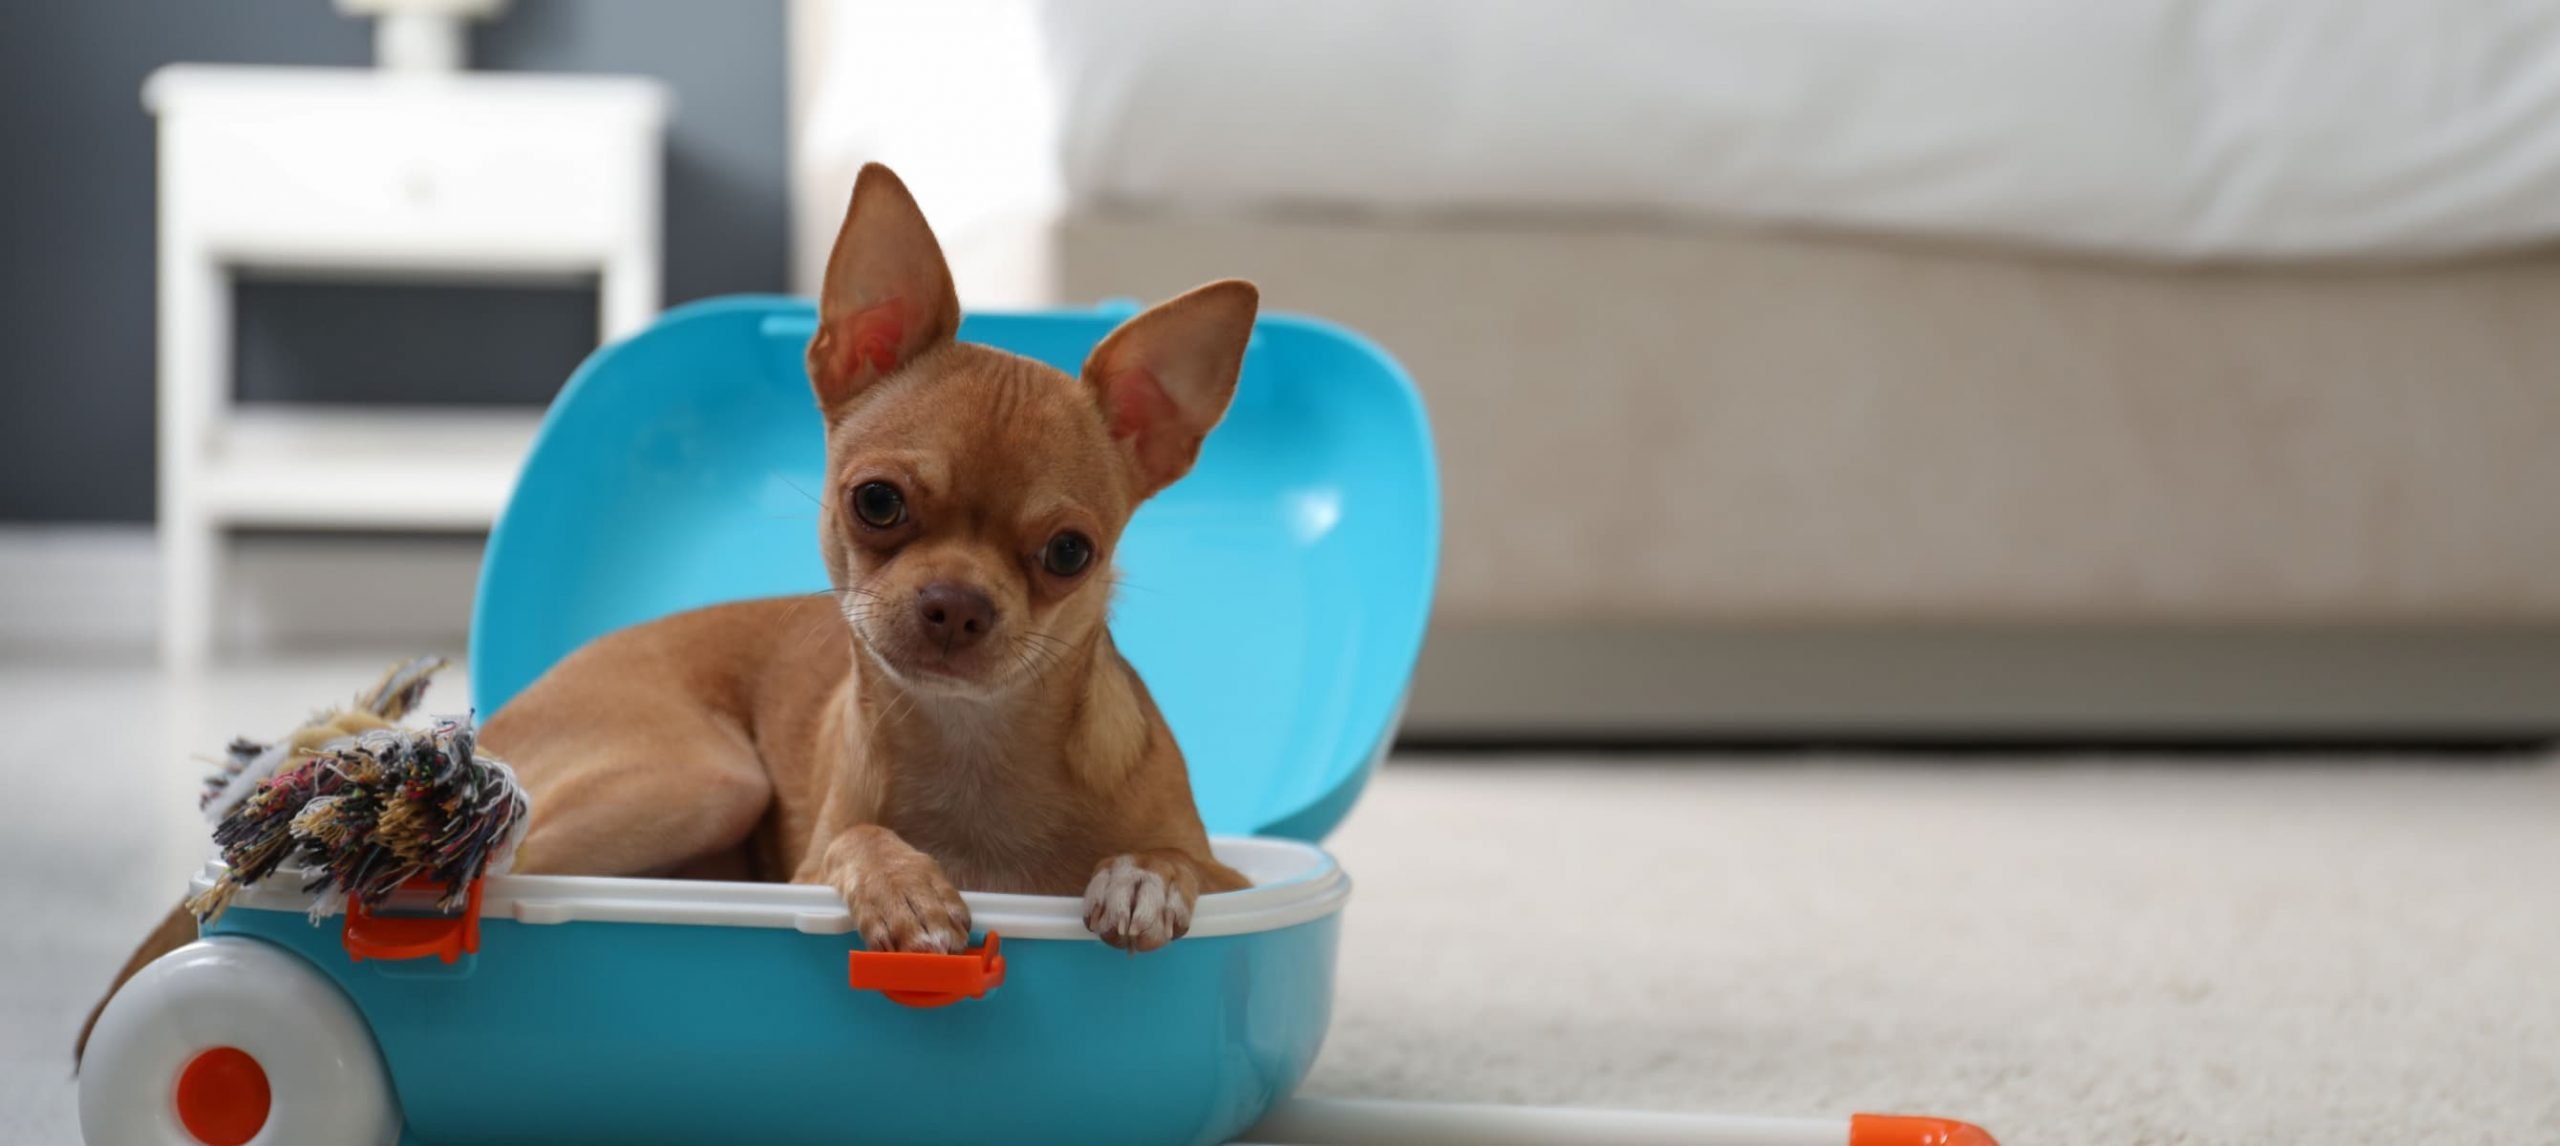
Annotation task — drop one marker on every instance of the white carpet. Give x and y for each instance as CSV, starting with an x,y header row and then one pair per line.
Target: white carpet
x,y
2249,952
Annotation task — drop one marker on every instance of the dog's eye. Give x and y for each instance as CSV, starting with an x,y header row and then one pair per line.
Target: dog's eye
x,y
879,504
1067,555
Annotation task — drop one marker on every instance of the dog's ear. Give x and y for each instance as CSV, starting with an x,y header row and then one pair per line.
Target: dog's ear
x,y
1164,378
887,297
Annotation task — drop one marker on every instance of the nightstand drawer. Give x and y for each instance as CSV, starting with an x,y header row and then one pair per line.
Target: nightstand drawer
x,y
422,170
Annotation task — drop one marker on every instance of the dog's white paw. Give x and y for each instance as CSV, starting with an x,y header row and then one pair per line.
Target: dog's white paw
x,y
1138,903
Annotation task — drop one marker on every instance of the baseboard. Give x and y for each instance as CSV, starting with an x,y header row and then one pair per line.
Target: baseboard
x,y
1960,685
93,591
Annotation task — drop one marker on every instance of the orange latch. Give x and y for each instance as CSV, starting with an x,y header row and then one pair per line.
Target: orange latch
x,y
1905,1130
387,937
922,980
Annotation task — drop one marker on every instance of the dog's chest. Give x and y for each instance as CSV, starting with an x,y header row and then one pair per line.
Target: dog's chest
x,y
994,823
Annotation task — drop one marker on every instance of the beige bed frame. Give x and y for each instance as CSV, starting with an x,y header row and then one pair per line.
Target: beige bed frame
x,y
1731,482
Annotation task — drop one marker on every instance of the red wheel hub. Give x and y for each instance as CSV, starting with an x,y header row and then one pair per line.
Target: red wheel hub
x,y
222,1097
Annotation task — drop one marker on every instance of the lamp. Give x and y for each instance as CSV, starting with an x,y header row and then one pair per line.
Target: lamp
x,y
420,35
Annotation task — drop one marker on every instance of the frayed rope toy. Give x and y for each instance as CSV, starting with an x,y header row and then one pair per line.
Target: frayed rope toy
x,y
364,804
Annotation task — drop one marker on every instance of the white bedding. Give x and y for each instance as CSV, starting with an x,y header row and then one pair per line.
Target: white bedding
x,y
2173,128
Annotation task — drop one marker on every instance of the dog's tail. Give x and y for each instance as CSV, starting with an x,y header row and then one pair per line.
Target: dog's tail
x,y
178,930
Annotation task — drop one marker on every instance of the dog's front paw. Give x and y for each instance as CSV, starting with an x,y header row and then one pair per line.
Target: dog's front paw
x,y
1140,902
909,906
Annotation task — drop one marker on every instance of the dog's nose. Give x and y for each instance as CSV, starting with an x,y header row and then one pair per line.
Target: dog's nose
x,y
956,615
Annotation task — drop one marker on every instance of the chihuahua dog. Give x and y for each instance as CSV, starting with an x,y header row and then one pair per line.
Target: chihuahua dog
x,y
952,713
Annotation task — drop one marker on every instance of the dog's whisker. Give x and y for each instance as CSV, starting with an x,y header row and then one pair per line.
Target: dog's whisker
x,y
844,613
1038,659
813,631
904,701
795,488
817,627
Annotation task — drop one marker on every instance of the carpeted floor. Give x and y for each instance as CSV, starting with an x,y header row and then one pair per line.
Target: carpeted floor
x,y
2073,953
2111,953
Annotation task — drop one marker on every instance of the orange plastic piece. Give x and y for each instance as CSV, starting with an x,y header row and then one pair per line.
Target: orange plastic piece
x,y
1905,1130
387,937
222,1097
923,980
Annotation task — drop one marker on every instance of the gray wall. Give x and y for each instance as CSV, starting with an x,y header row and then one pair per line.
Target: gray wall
x,y
76,169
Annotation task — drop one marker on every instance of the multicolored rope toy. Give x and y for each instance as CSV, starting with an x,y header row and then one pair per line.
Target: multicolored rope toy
x,y
364,804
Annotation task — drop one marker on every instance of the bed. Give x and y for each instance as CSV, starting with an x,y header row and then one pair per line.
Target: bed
x,y
1846,366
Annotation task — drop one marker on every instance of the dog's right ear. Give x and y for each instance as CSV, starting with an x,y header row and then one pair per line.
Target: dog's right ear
x,y
887,297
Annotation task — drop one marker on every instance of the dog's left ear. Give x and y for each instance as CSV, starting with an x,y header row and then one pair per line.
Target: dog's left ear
x,y
1165,377
887,297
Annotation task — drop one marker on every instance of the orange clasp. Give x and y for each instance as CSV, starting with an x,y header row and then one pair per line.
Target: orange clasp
x,y
922,980
447,937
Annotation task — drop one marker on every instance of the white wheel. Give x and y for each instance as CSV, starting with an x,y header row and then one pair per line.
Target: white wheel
x,y
232,1042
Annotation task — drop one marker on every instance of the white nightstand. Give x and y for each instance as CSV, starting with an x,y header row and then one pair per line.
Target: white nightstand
x,y
382,174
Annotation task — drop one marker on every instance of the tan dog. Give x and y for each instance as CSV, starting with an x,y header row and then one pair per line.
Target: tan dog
x,y
953,713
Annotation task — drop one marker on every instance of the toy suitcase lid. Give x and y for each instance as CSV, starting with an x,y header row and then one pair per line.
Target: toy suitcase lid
x,y
1274,599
